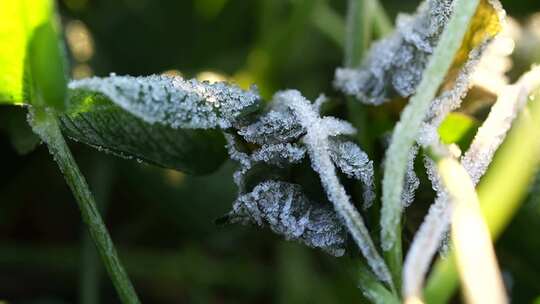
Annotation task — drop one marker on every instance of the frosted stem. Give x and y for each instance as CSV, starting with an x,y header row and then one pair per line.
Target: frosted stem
x,y
316,140
493,131
45,124
475,161
409,125
427,239
476,260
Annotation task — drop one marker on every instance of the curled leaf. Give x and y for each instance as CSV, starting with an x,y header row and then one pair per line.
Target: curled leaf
x,y
287,211
354,163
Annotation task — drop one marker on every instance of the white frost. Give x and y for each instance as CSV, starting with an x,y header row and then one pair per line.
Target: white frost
x,y
174,101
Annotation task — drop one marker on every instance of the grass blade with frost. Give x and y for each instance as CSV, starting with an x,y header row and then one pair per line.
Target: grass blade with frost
x,y
409,125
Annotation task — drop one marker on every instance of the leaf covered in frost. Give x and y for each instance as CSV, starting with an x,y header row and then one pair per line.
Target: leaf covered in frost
x,y
287,211
276,126
395,64
174,101
354,163
280,154
94,120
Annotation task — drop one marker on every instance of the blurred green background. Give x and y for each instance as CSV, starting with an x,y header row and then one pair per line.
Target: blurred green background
x,y
163,221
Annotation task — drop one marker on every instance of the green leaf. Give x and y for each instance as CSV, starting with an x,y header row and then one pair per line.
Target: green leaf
x,y
458,128
94,119
31,55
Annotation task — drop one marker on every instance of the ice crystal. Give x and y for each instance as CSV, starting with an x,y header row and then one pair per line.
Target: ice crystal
x,y
354,163
243,158
428,237
279,154
287,211
174,101
412,181
394,65
276,126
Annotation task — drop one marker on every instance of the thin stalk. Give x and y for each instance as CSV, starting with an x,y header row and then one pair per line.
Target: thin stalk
x,y
358,32
330,23
382,23
45,124
407,128
100,179
519,158
373,290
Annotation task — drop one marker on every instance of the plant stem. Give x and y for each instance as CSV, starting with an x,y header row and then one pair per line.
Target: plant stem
x,y
358,37
357,31
519,158
45,124
407,128
382,23
475,256
100,179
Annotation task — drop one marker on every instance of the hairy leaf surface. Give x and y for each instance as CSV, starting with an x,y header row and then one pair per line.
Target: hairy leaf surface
x,y
95,120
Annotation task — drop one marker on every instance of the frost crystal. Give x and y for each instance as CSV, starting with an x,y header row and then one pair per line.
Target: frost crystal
x,y
354,163
287,211
428,237
280,154
411,182
276,126
174,101
394,65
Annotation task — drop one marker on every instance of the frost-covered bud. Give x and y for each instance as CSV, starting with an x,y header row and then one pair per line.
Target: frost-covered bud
x,y
280,155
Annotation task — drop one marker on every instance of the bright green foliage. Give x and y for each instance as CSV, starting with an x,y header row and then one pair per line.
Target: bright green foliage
x,y
459,129
31,59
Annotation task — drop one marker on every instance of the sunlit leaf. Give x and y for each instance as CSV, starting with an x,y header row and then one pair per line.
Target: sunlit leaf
x,y
30,54
459,129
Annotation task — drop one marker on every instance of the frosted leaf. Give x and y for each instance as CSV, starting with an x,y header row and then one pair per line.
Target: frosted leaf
x,y
335,127
412,181
394,65
354,163
272,128
173,101
235,153
279,154
93,119
287,211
